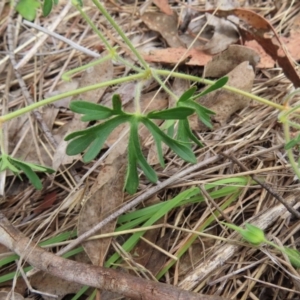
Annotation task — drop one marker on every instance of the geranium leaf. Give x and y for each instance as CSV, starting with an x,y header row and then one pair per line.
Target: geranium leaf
x,y
91,111
33,178
135,147
187,95
179,148
117,104
217,85
176,113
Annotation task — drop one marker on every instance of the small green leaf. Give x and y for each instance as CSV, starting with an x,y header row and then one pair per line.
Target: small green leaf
x,y
132,176
180,149
176,113
202,112
294,256
33,178
47,7
185,134
187,95
84,138
292,143
91,111
217,85
27,9
117,104
157,141
36,167
135,147
79,144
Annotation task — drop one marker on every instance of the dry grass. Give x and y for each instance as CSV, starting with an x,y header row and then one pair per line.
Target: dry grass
x,y
254,132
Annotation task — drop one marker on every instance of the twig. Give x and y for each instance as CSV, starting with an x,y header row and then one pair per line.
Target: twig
x,y
62,38
264,185
94,276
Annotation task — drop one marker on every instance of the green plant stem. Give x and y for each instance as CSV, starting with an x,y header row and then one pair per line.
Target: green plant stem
x,y
289,152
121,33
50,100
226,87
97,31
67,76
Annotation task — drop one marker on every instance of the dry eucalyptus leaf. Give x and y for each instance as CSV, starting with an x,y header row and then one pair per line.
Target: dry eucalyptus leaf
x,y
53,285
225,103
164,6
224,62
19,129
96,74
107,198
225,34
9,295
166,25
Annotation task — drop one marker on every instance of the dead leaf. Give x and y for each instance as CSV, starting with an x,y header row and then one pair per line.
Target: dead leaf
x,y
51,284
8,295
47,202
107,198
194,57
166,25
225,34
225,103
96,74
164,6
254,26
224,62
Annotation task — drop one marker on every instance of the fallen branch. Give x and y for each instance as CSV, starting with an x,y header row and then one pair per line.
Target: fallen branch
x,y
94,276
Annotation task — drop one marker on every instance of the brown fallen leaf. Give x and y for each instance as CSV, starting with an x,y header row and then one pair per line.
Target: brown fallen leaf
x,y
254,26
164,6
166,25
107,197
225,61
193,57
225,103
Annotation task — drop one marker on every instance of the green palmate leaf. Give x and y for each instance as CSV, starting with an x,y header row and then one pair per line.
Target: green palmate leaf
x,y
33,178
176,113
36,167
187,95
202,112
27,9
179,148
47,7
293,255
6,165
185,134
117,104
99,133
91,111
217,85
79,144
157,140
135,147
132,176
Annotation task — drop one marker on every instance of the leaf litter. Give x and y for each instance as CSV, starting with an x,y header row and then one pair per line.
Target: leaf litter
x,y
252,128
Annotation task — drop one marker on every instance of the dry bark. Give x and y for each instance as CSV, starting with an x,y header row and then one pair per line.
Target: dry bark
x,y
98,277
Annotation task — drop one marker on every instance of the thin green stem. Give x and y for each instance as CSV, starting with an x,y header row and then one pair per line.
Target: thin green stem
x,y
121,33
294,165
67,76
96,30
226,87
49,100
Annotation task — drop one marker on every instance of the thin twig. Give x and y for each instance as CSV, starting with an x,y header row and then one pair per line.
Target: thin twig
x,y
264,185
